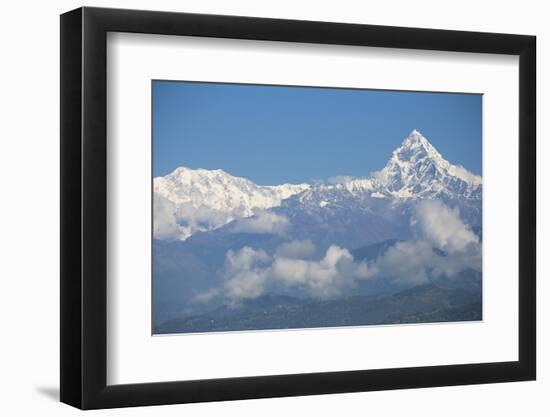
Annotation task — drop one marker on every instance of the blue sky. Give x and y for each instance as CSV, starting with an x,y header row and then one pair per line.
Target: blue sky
x,y
274,134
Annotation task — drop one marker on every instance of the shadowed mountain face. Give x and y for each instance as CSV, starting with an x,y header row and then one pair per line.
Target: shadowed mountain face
x,y
224,244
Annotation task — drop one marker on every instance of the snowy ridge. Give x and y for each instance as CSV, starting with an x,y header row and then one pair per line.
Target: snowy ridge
x,y
415,170
221,191
190,200
203,200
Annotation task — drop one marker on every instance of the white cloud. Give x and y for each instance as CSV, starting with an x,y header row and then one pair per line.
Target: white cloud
x,y
201,217
463,173
262,222
323,278
178,222
245,273
165,225
442,226
245,258
406,262
444,246
250,273
173,221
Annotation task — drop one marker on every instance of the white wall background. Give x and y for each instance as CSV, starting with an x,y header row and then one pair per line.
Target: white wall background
x,y
29,172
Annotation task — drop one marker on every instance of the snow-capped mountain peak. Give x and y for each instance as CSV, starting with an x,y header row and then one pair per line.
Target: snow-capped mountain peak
x,y
417,169
415,147
221,191
199,200
192,200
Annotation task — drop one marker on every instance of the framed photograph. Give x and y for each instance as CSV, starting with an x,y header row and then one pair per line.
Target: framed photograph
x,y
256,208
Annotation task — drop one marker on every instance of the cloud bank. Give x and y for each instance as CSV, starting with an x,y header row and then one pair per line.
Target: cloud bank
x,y
250,273
442,226
262,222
443,247
178,222
165,225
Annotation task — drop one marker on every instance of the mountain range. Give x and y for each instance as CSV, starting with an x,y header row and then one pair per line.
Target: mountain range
x,y
203,218
199,200
202,200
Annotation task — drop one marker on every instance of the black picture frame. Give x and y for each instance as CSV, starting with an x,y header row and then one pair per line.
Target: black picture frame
x,y
84,207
